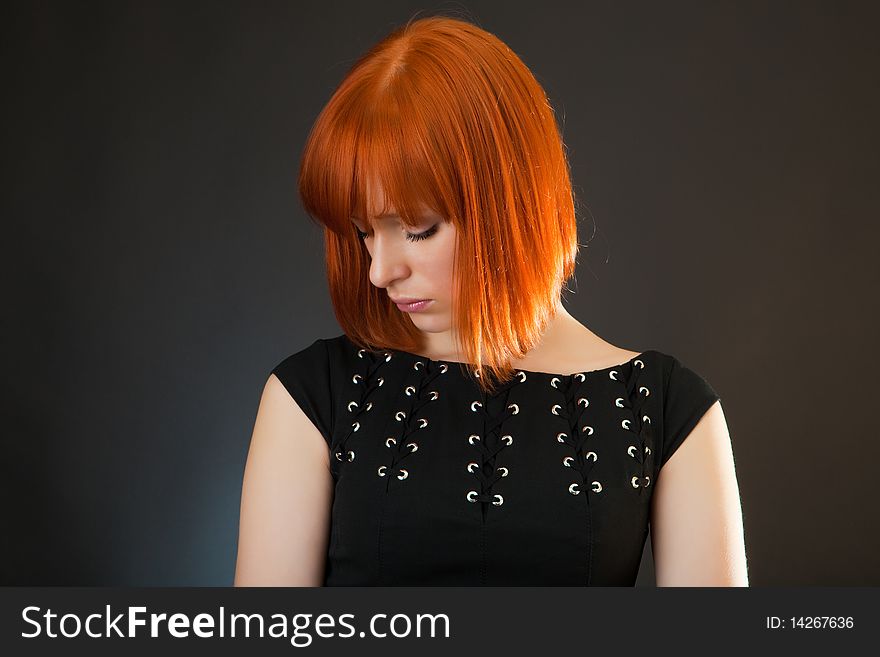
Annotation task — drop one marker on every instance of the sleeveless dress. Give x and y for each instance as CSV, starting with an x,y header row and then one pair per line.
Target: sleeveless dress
x,y
547,482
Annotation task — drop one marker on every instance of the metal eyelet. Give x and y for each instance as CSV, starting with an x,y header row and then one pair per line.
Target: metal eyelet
x,y
472,465
504,471
554,381
647,450
629,450
400,416
613,375
639,363
597,487
588,429
381,470
560,437
567,461
619,402
352,402
592,455
403,474
585,401
390,441
418,365
522,377
580,376
413,447
434,395
476,403
470,493
498,500
625,424
381,381
635,482
508,439
356,378
356,425
647,392
473,437
515,408
443,368
553,409
573,489
410,390
645,418
422,423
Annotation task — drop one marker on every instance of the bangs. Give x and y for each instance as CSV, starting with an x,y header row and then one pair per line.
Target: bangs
x,y
361,141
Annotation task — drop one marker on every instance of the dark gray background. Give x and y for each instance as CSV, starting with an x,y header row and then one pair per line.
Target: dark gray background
x,y
158,264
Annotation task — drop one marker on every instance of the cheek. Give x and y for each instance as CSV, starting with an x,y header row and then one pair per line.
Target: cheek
x,y
435,264
446,264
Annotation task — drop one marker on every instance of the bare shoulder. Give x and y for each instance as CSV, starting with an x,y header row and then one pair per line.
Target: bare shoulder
x,y
287,492
624,355
696,514
601,354
569,346
591,352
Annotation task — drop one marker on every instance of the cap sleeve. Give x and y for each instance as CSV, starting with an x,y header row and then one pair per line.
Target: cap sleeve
x,y
306,376
688,397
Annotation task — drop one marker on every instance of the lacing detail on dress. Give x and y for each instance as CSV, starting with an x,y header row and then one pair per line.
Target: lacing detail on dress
x,y
411,420
367,383
490,442
577,436
636,422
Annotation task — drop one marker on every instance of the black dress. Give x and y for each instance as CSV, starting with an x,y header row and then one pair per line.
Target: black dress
x,y
545,483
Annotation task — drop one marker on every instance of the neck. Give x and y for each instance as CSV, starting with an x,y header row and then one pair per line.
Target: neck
x,y
441,346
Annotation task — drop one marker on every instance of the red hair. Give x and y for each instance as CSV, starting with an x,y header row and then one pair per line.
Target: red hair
x,y
442,113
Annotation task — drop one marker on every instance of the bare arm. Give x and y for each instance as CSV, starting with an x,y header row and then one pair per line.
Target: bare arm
x,y
287,493
696,517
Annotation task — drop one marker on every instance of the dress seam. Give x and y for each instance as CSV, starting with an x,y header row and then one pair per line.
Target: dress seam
x,y
379,541
483,553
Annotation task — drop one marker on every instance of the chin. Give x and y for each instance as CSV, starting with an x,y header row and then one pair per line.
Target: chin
x,y
429,323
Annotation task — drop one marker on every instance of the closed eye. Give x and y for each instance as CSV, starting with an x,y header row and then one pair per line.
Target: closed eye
x,y
422,236
412,237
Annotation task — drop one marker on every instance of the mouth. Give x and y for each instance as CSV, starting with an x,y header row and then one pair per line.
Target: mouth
x,y
413,305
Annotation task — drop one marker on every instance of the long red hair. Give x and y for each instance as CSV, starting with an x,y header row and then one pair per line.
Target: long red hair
x,y
441,112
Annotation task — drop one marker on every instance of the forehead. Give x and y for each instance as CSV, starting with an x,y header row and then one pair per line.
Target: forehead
x,y
378,207
373,203
390,214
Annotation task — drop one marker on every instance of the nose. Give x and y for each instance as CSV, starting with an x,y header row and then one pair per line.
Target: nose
x,y
388,262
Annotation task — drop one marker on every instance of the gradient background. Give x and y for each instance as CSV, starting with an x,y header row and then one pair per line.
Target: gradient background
x,y
158,264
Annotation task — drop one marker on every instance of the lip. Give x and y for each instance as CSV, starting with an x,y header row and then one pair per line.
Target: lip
x,y
413,305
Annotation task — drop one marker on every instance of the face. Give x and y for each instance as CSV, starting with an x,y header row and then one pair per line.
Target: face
x,y
414,263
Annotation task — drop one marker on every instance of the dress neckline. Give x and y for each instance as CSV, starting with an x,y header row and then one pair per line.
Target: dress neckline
x,y
450,363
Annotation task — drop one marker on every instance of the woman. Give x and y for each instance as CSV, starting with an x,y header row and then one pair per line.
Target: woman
x,y
465,429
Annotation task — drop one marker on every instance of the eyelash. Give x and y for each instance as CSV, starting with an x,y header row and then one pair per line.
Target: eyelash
x,y
412,237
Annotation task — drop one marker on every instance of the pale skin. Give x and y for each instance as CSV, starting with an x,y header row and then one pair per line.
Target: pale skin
x,y
287,491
